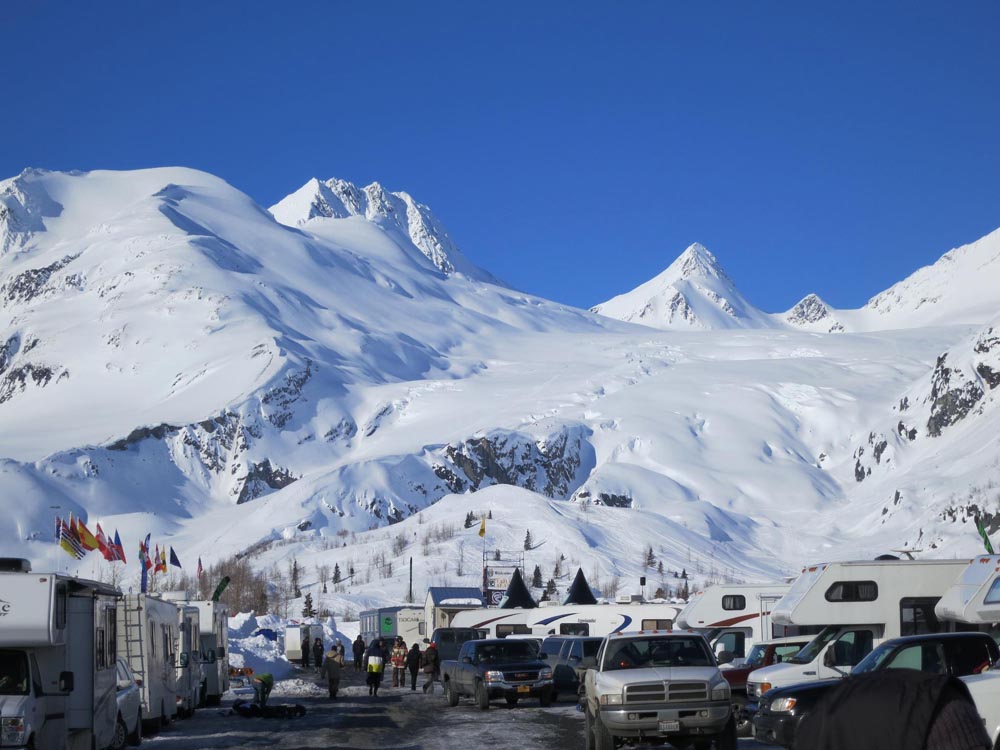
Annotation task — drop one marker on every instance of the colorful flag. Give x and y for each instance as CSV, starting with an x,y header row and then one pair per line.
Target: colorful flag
x,y
161,563
69,541
87,539
119,549
58,528
201,570
986,538
173,558
482,527
147,561
103,546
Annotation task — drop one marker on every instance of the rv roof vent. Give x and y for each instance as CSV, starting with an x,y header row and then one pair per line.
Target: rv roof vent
x,y
14,565
623,599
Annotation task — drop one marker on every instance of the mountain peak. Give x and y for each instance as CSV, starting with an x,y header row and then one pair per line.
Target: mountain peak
x,y
697,260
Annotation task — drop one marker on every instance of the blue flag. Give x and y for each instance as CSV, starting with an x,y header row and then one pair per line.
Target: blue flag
x,y
173,558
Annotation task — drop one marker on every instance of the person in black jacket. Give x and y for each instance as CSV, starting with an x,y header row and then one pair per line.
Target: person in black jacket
x,y
317,649
375,659
432,666
359,653
413,664
895,709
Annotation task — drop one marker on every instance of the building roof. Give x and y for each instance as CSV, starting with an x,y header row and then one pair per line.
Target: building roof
x,y
440,594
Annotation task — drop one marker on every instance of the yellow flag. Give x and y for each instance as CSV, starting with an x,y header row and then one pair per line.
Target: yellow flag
x,y
482,527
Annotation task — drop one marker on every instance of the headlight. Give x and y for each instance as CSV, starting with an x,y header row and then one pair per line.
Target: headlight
x,y
12,731
611,699
782,705
720,692
763,688
545,674
492,676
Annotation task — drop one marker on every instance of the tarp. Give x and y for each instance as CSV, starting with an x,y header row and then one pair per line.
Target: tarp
x,y
579,592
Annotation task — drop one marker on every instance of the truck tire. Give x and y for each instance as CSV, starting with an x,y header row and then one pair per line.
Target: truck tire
x,y
545,699
135,738
603,739
744,726
724,740
482,696
450,694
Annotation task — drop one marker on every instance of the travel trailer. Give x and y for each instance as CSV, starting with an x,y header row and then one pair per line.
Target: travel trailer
x,y
859,604
147,638
389,622
58,659
570,619
733,617
190,684
214,649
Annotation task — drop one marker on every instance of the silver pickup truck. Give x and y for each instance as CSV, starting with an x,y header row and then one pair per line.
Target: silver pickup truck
x,y
658,686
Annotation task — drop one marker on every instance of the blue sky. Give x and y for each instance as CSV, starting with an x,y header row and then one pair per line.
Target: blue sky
x,y
573,149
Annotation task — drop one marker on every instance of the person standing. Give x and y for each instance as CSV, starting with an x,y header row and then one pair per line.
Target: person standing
x,y
317,648
398,659
413,664
432,667
359,653
332,665
374,660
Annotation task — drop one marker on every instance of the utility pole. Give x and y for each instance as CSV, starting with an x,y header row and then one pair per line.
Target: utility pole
x,y
411,581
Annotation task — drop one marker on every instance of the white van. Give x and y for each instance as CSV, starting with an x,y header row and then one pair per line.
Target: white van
x,y
147,637
860,604
58,659
569,619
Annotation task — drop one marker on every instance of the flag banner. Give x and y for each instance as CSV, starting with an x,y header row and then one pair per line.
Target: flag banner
x,y
58,528
220,588
87,539
69,542
981,528
145,577
173,558
102,544
119,549
201,570
482,527
161,564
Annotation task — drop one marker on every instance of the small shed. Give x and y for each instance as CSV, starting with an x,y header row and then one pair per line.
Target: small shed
x,y
444,602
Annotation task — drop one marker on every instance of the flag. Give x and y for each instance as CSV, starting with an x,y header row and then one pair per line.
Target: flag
x,y
147,561
161,564
173,558
69,541
87,539
119,549
145,576
201,570
482,527
986,538
58,529
103,546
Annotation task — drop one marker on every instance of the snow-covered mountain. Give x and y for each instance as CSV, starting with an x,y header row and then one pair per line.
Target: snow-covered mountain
x,y
693,293
175,360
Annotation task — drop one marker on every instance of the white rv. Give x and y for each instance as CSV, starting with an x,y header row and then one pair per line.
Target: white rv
x,y
214,649
190,684
147,637
569,619
975,599
733,617
406,622
859,604
58,659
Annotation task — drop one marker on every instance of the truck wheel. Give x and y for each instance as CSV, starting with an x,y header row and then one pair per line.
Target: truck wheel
x,y
450,694
545,698
743,723
135,738
482,696
724,740
603,739
588,730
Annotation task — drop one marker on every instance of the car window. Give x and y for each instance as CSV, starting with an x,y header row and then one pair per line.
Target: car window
x,y
969,655
590,648
908,657
552,646
576,650
781,653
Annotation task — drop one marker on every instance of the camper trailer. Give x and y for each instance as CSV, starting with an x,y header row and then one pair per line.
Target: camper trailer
x,y
299,636
389,622
859,604
570,619
58,659
190,684
214,649
734,617
147,637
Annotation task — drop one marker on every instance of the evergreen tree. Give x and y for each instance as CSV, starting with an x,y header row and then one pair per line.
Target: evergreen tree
x,y
659,568
527,539
557,570
544,597
295,578
550,588
489,515
660,594
470,520
536,578
336,573
650,557
684,574
324,588
496,555
307,608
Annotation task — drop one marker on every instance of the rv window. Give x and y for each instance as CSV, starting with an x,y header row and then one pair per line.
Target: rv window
x,y
916,616
993,595
112,619
734,602
574,628
852,591
657,625
61,606
504,630
101,642
13,673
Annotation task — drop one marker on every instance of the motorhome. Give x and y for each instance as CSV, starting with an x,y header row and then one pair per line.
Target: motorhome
x,y
214,649
974,599
570,619
58,659
147,638
389,622
860,605
733,617
190,684
298,636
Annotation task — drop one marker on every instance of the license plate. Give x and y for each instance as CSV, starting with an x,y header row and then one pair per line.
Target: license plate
x,y
670,726
523,689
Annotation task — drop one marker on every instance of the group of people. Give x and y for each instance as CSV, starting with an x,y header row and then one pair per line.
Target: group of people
x,y
376,656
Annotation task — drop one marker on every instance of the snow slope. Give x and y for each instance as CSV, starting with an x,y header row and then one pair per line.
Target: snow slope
x,y
174,360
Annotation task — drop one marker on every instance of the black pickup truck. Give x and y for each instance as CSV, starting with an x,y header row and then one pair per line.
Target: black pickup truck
x,y
496,668
957,654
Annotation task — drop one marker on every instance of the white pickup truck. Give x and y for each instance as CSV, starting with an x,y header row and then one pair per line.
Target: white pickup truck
x,y
651,685
985,689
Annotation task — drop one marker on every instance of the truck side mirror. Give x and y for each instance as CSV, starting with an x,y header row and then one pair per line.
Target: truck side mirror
x,y
828,658
65,682
467,660
726,657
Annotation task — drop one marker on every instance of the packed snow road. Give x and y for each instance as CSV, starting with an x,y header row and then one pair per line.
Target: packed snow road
x,y
398,719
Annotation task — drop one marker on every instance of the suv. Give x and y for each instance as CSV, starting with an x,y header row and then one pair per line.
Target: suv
x,y
570,656
957,654
658,686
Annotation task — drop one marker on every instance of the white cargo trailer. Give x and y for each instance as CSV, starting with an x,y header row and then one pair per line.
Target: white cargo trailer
x,y
58,659
147,638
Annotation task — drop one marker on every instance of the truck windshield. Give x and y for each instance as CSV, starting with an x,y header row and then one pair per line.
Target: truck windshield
x,y
810,652
508,651
756,656
13,672
638,653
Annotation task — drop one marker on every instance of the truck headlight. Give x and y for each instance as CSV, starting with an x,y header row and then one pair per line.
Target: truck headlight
x,y
545,674
12,731
782,705
493,676
611,699
720,691
762,688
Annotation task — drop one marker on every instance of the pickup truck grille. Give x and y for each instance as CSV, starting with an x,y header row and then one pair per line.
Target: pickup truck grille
x,y
520,676
659,692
